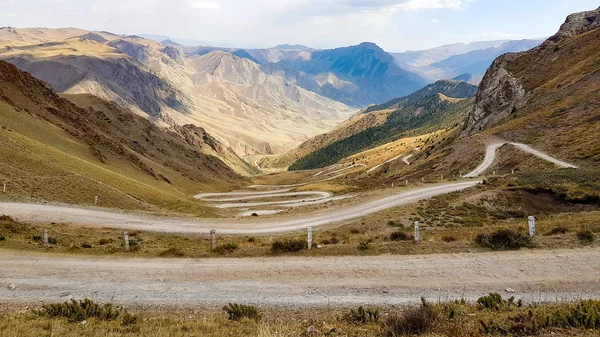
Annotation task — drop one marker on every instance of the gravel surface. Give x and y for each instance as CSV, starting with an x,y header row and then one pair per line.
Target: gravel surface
x,y
531,275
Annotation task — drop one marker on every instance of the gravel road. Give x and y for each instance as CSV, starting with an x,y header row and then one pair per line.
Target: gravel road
x,y
490,156
534,275
101,218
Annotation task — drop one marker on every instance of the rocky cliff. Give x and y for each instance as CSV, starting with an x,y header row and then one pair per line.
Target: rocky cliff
x,y
502,92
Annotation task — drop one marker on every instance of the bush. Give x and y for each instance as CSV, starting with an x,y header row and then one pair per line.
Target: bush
x,y
413,321
2,237
362,315
355,231
86,245
52,241
103,242
401,236
288,246
36,238
172,252
503,239
363,246
584,315
128,319
77,311
494,301
558,230
238,311
225,248
585,236
448,238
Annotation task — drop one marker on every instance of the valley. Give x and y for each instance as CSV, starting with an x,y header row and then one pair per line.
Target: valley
x,y
160,181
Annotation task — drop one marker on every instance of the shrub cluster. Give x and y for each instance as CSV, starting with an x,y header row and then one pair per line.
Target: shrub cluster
x,y
585,236
226,248
503,239
558,230
413,321
77,311
401,236
288,246
172,252
238,311
362,315
494,301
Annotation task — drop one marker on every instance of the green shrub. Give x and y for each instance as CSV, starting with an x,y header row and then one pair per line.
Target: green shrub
x,y
77,311
584,315
36,238
401,236
503,239
2,237
129,319
585,236
494,301
225,248
52,241
362,315
86,245
363,245
413,321
238,311
288,246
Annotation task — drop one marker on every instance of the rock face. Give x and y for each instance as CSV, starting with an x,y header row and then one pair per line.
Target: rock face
x,y
576,24
501,93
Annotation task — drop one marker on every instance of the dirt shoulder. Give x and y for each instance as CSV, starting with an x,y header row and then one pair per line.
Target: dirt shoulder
x,y
534,275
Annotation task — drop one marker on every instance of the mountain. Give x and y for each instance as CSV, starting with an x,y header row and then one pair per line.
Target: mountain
x,y
453,60
469,78
442,104
72,148
357,75
414,60
239,104
478,61
293,47
548,96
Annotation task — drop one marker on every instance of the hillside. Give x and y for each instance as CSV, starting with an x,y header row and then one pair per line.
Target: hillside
x,y
547,97
230,96
55,150
437,106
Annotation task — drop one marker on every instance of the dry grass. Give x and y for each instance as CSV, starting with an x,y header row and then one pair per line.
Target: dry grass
x,y
454,319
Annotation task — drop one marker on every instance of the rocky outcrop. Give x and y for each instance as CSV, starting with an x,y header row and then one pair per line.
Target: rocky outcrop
x,y
501,93
576,24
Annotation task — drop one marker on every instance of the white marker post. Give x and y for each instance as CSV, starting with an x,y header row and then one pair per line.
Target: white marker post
x,y
417,232
95,200
512,171
45,238
126,241
213,239
531,227
406,182
4,188
310,238
392,185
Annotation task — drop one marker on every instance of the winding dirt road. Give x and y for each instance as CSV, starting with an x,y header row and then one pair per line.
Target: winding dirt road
x,y
534,275
101,218
490,156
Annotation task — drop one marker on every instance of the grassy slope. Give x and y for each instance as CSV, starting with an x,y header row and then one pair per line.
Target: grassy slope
x,y
55,151
419,113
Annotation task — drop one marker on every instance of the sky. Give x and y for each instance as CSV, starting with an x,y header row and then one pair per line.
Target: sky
x,y
395,25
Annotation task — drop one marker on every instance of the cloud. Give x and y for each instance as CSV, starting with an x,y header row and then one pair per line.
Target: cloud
x,y
435,21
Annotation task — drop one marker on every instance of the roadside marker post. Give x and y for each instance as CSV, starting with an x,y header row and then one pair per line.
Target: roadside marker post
x,y
531,221
95,200
213,239
417,238
406,182
310,230
4,188
126,241
45,238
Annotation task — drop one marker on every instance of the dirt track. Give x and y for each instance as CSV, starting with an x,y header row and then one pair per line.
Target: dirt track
x,y
103,218
534,275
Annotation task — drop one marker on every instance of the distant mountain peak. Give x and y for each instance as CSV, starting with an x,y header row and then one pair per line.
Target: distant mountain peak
x,y
170,42
292,47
